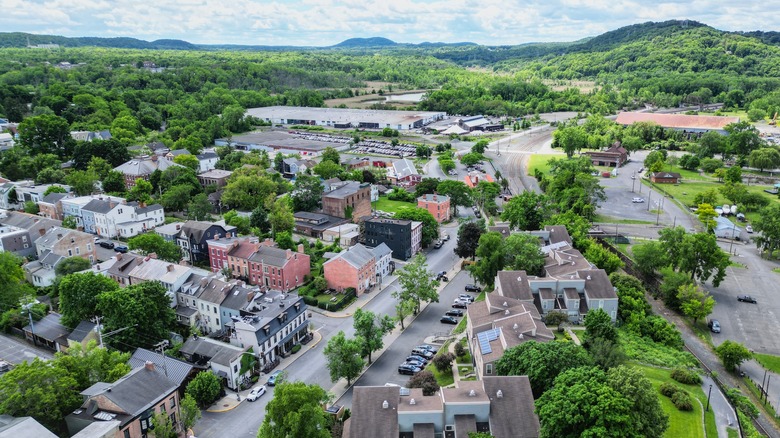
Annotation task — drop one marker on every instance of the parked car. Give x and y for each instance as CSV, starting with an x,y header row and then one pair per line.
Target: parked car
x,y
276,376
466,297
746,299
418,358
438,244
473,288
459,305
454,312
428,354
256,393
4,366
408,369
638,200
426,347
714,326
448,320
120,248
749,229
414,363
445,237
106,244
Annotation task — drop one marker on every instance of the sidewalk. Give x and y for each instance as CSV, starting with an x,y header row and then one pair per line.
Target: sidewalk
x,y
358,303
231,401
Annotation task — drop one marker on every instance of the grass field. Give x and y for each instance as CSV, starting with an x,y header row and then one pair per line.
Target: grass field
x,y
687,424
768,361
389,206
539,161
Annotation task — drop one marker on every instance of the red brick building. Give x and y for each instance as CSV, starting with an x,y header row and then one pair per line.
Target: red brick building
x,y
437,205
350,201
665,177
354,267
615,156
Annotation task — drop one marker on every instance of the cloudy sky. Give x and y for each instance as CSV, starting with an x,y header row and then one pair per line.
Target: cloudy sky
x,y
327,22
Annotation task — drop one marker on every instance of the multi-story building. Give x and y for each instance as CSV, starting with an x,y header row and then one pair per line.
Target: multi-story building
x,y
278,269
404,237
16,240
222,359
354,267
114,217
345,234
194,236
170,232
66,243
384,264
35,225
217,177
437,205
171,275
350,201
502,407
143,167
220,246
315,224
121,269
403,173
51,206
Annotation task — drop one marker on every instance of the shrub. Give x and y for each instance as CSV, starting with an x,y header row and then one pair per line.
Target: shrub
x,y
668,389
459,350
443,361
687,377
296,348
682,401
425,380
742,403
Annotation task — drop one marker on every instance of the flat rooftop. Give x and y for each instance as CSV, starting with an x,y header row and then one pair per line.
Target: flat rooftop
x,y
342,115
281,139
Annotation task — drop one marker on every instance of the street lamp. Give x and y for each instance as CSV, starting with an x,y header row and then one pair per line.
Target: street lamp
x,y
709,393
633,181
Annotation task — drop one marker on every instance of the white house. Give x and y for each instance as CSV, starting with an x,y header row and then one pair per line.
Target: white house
x,y
171,275
223,359
384,266
108,218
208,161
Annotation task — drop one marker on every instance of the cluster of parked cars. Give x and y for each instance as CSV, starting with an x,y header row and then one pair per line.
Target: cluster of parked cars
x,y
461,302
107,244
415,362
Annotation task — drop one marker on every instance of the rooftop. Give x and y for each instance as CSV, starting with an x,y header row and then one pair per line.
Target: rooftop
x,y
435,198
357,256
341,115
174,369
677,121
348,189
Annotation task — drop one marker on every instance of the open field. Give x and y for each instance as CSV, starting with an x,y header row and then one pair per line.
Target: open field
x,y
540,161
389,206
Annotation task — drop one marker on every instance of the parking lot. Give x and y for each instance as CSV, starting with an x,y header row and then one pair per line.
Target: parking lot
x,y
16,352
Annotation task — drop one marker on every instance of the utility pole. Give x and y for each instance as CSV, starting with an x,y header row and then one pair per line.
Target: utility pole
x,y
160,346
32,326
99,330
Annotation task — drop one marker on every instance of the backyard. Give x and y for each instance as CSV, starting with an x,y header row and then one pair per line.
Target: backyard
x,y
389,206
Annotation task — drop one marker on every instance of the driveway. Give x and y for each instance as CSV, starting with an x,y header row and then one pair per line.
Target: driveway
x,y
16,352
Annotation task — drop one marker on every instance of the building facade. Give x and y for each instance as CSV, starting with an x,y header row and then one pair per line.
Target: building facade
x,y
437,205
350,201
403,237
354,267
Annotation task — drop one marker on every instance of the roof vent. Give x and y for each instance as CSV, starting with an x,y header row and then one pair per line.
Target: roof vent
x,y
514,326
505,304
412,402
506,312
520,336
385,404
499,394
588,277
472,393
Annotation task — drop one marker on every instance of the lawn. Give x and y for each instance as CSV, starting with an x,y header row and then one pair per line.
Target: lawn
x,y
540,161
600,218
389,206
687,424
466,358
768,361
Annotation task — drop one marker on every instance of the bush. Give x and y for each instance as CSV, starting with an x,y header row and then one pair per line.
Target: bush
x,y
742,403
425,380
443,361
668,389
687,377
682,401
459,350
296,348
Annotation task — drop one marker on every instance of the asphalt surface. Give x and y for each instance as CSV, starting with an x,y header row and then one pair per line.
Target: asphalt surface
x,y
16,352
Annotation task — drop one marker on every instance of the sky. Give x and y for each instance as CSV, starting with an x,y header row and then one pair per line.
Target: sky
x,y
328,22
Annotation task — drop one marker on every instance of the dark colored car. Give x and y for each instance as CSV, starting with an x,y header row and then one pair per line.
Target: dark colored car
x,y
454,312
428,354
714,326
746,299
122,249
408,369
448,320
107,245
473,288
426,347
417,358
459,305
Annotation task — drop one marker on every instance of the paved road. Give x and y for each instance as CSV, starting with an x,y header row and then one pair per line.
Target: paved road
x,y
385,369
16,352
245,420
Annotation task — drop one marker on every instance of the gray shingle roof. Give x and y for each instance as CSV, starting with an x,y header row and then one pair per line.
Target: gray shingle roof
x,y
381,250
81,331
52,198
148,208
429,197
357,256
350,188
52,236
99,206
49,327
404,168
270,256
369,418
512,414
177,371
139,390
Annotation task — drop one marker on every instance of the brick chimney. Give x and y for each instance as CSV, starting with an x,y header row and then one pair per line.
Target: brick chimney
x,y
151,255
300,248
216,236
118,256
149,365
170,268
154,157
42,231
288,254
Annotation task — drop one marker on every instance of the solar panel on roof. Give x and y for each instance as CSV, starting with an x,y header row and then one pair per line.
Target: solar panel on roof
x,y
404,391
484,343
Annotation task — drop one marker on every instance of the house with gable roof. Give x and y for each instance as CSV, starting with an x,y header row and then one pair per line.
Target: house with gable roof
x,y
224,360
403,173
143,167
354,267
194,236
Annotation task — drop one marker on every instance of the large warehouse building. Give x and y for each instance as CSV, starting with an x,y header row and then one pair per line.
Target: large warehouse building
x,y
345,117
310,144
689,124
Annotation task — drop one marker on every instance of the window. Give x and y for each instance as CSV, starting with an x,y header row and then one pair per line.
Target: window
x,y
489,368
127,433
235,368
172,402
78,250
162,407
70,252
89,247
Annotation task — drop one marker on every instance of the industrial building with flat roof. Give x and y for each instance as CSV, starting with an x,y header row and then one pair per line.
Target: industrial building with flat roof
x,y
690,124
346,117
303,143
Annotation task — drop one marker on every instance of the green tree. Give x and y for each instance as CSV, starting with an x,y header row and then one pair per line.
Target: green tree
x,y
458,191
190,412
703,259
527,211
69,222
733,175
403,309
695,302
143,310
471,158
141,191
732,354
93,364
40,389
54,189
247,191
424,380
521,253
204,388
443,361
647,417
99,167
606,354
296,410
603,258
281,218
764,158
328,169
46,134
259,219
571,139
188,160
598,324
154,243
370,328
332,155
344,357
199,207
541,362
768,227
71,265
176,198
427,186
114,182
13,285
430,228
468,239
491,258
480,146
162,426
82,182
710,196
31,207
422,151
307,194
743,138
417,283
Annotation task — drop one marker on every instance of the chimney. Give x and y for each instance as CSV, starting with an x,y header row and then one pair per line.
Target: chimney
x,y
154,157
152,255
111,203
288,254
118,256
149,365
300,248
228,235
170,268
178,227
59,236
216,236
42,231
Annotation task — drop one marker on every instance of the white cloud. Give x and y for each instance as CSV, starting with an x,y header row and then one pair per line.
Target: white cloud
x,y
326,22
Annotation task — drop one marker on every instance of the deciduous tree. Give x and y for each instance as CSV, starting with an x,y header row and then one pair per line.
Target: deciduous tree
x,y
204,388
344,357
71,265
424,380
521,253
281,218
732,354
417,283
430,230
527,211
148,243
541,362
695,302
307,193
491,258
370,328
296,410
468,239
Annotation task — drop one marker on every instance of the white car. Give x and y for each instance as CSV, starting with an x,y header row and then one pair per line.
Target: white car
x,y
749,229
256,393
638,200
